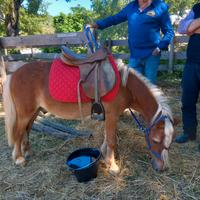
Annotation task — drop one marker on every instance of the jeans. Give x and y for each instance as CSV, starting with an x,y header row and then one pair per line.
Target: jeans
x,y
190,92
147,66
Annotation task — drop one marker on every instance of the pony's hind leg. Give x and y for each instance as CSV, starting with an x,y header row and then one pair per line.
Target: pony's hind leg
x,y
25,145
20,131
22,127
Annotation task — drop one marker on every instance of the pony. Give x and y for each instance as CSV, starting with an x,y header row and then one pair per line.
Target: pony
x,y
25,93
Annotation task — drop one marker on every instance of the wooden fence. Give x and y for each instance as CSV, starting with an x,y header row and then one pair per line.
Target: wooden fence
x,y
169,58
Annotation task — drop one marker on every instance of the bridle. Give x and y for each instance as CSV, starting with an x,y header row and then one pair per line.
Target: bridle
x,y
156,119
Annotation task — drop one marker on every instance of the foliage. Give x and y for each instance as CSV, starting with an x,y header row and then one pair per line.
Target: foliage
x,y
31,24
179,7
10,14
51,50
9,11
170,79
105,8
33,6
74,21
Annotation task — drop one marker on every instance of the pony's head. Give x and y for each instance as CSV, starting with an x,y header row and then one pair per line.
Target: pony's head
x,y
150,102
159,136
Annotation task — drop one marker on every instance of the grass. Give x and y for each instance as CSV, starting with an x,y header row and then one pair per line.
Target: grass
x,y
166,79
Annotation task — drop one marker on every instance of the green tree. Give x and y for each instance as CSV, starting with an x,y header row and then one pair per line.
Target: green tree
x,y
31,24
102,6
74,21
178,7
10,13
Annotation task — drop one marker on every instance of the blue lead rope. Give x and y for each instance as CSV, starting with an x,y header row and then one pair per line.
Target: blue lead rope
x,y
140,126
91,39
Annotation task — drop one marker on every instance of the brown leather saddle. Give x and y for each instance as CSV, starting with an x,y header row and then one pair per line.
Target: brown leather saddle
x,y
97,76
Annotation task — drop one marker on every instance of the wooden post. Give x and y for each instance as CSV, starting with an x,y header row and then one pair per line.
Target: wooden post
x,y
110,44
6,52
31,52
171,57
95,34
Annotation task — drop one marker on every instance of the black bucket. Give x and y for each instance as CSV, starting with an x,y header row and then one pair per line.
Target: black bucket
x,y
84,163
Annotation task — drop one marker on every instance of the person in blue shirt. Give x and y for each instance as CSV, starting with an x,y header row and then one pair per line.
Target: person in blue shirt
x,y
146,18
190,25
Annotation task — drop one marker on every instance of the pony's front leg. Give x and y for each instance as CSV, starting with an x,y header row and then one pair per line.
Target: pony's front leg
x,y
104,146
110,143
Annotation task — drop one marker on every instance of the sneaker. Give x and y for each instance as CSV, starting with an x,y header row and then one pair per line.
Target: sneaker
x,y
184,138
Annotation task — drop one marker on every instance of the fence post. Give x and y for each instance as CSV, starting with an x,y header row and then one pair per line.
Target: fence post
x,y
110,44
107,44
6,52
171,57
32,52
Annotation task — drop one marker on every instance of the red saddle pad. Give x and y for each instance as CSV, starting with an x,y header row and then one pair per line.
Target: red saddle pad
x,y
63,83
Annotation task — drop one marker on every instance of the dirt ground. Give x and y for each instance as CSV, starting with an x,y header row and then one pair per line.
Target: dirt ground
x,y
47,177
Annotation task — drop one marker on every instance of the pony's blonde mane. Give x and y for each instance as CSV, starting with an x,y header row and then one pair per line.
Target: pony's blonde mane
x,y
160,98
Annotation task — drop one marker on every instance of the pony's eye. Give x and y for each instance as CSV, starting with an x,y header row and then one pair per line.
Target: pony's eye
x,y
156,142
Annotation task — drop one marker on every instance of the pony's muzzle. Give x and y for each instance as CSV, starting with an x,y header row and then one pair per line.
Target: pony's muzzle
x,y
157,164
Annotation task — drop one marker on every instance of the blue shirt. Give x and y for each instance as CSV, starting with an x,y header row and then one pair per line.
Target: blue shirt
x,y
143,27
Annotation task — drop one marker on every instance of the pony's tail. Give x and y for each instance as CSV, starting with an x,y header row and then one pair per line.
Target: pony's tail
x,y
10,111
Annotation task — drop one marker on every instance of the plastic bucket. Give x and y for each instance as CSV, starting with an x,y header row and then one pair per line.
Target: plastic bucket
x,y
84,163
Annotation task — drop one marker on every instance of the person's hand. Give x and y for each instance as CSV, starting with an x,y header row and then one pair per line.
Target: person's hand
x,y
193,27
95,26
156,51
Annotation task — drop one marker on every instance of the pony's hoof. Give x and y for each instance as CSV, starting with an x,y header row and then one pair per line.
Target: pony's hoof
x,y
20,161
114,170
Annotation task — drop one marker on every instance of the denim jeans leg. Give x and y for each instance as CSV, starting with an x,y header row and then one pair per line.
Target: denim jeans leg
x,y
136,64
151,67
190,92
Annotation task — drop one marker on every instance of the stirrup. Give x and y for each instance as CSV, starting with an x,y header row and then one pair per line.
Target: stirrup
x,y
97,111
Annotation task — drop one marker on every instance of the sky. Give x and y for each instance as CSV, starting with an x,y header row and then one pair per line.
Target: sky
x,y
58,6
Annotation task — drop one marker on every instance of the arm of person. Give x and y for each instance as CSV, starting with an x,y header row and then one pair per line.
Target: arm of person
x,y
113,20
167,30
185,23
193,26
197,31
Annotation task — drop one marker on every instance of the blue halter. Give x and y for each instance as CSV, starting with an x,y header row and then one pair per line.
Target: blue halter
x,y
147,131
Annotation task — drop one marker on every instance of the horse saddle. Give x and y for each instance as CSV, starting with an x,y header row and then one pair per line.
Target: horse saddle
x,y
97,75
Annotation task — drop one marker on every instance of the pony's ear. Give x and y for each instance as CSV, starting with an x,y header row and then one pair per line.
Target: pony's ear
x,y
176,121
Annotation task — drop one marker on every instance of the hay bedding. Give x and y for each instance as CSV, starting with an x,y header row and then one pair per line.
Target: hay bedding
x,y
46,176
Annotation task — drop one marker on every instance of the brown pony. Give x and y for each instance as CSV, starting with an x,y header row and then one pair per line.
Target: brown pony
x,y
26,92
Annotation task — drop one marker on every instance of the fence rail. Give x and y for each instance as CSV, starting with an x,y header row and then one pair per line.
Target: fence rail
x,y
78,38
